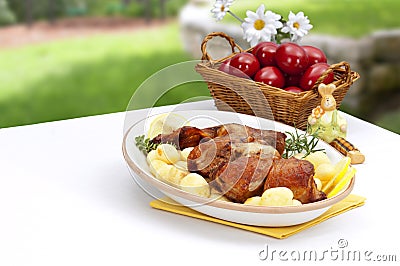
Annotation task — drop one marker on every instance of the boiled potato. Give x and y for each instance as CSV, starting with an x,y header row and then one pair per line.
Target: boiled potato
x,y
165,124
159,168
195,184
181,165
277,196
151,156
167,153
174,176
296,202
318,183
216,195
185,153
318,158
324,172
299,156
253,201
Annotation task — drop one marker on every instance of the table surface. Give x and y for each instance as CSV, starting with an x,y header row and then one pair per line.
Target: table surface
x,y
67,198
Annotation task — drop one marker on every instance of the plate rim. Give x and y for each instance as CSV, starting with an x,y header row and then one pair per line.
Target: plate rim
x,y
160,185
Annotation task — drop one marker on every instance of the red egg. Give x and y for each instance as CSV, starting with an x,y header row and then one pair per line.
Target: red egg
x,y
312,74
293,89
262,44
271,76
315,55
292,80
246,62
227,68
291,58
265,53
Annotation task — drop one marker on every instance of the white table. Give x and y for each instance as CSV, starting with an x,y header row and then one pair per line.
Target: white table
x,y
67,198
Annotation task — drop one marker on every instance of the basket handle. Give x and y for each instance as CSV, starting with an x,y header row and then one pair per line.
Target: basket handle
x,y
332,68
231,41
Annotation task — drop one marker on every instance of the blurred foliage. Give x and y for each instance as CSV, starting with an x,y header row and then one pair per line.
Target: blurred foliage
x,y
369,15
42,9
95,75
6,15
39,8
390,121
345,17
75,7
104,7
78,77
134,8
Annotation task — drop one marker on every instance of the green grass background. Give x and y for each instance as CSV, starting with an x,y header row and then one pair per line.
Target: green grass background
x,y
85,76
338,17
99,74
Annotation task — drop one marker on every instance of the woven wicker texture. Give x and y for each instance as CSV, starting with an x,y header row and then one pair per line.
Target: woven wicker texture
x,y
246,96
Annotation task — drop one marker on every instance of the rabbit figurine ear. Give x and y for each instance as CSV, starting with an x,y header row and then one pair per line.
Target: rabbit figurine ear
x,y
322,89
326,89
331,88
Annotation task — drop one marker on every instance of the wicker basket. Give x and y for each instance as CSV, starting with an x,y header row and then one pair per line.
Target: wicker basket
x,y
246,96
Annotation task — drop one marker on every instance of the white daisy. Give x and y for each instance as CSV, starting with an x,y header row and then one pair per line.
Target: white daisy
x,y
221,7
298,26
260,26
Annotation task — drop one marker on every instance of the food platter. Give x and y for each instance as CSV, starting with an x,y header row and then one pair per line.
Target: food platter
x,y
229,211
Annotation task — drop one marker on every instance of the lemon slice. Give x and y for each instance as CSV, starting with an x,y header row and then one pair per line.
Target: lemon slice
x,y
340,170
165,124
343,182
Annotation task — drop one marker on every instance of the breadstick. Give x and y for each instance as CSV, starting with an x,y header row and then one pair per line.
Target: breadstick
x,y
348,149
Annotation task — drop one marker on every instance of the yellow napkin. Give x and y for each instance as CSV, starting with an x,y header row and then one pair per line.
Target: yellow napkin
x,y
350,202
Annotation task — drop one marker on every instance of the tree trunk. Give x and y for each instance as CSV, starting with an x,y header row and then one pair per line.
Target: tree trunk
x,y
28,12
148,11
50,11
163,10
126,2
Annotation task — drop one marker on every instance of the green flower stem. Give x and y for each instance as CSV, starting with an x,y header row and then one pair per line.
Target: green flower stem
x,y
236,17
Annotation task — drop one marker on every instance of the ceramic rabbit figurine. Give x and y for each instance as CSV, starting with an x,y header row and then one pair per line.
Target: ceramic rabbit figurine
x,y
325,119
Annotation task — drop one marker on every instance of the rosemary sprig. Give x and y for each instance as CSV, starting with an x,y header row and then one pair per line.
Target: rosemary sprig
x,y
300,142
145,145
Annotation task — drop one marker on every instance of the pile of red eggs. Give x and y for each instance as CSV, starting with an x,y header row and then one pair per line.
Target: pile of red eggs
x,y
287,66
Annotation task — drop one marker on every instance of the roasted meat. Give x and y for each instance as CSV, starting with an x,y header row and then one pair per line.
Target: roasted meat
x,y
208,156
242,162
184,137
266,137
298,176
242,178
234,166
191,136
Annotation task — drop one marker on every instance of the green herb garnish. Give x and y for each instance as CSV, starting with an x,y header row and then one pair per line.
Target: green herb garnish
x,y
145,145
297,143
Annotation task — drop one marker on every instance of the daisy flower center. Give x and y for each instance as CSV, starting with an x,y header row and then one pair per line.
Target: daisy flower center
x,y
259,24
222,8
296,25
